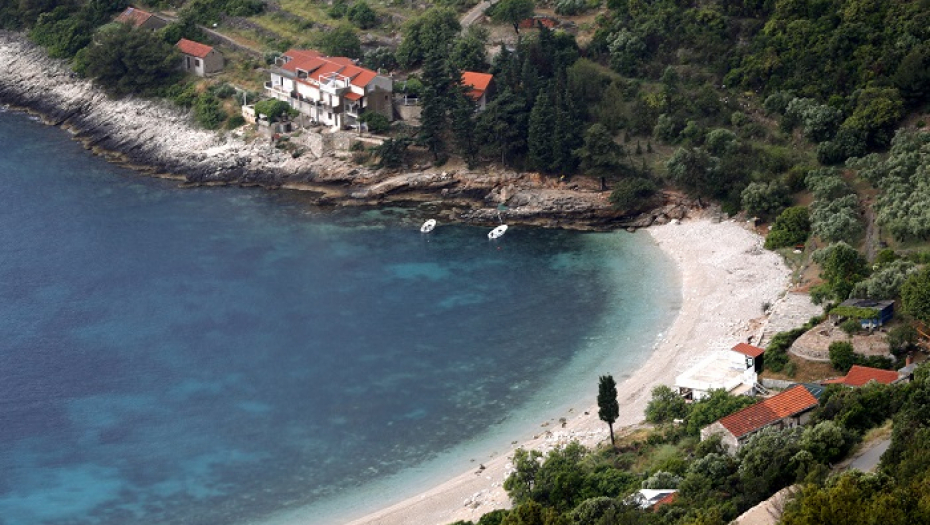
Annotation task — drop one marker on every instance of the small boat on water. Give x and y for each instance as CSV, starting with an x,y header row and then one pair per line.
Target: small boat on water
x,y
428,226
497,232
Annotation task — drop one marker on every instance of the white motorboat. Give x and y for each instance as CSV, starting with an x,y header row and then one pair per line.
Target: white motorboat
x,y
497,232
428,226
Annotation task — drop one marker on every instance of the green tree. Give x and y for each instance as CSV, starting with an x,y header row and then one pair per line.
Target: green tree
x,y
340,41
791,228
434,30
463,127
915,295
608,409
502,127
438,98
769,461
695,171
632,194
273,109
469,52
841,267
665,405
512,12
124,61
540,140
362,15
765,199
600,156
842,356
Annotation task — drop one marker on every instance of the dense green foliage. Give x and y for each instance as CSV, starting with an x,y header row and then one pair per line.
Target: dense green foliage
x,y
665,406
125,60
841,267
273,109
915,295
791,228
903,206
512,12
897,493
572,485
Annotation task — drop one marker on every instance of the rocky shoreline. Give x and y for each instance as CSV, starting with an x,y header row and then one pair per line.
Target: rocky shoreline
x,y
158,139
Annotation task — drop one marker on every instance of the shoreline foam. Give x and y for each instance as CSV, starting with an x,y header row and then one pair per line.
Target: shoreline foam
x,y
725,278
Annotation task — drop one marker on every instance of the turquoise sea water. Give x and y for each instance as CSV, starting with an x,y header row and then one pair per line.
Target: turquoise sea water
x,y
230,356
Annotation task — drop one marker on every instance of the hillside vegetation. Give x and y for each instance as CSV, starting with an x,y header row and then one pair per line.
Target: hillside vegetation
x,y
810,115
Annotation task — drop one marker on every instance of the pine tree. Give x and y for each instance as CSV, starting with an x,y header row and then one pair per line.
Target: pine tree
x,y
541,138
434,118
463,127
607,404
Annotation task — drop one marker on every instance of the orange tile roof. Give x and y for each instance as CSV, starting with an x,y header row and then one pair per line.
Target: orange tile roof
x,y
665,500
747,349
793,401
134,16
189,47
351,95
478,82
861,375
316,64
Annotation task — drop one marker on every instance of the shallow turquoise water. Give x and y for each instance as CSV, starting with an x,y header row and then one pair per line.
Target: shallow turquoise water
x,y
220,356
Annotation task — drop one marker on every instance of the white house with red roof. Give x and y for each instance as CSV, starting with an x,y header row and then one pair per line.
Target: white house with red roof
x,y
141,19
790,408
479,85
199,59
736,371
332,91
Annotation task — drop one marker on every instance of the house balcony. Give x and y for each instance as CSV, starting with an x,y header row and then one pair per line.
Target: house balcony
x,y
334,84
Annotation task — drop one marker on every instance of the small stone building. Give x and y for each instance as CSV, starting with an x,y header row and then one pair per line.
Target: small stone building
x,y
787,409
199,59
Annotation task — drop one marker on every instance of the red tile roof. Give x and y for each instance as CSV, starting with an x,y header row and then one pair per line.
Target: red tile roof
x,y
746,349
665,500
352,96
134,16
478,82
861,375
196,49
793,401
316,64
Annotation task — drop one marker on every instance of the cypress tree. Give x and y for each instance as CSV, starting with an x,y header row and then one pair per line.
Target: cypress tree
x,y
434,119
608,407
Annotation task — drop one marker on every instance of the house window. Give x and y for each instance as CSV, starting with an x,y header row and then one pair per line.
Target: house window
x,y
196,62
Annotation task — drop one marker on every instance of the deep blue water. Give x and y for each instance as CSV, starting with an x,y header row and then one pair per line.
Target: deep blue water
x,y
218,356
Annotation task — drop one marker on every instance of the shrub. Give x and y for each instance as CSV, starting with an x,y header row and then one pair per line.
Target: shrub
x,y
850,326
665,405
377,123
842,356
792,227
632,194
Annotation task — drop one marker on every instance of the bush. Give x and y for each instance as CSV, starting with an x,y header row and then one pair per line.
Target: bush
x,y
851,326
632,194
842,356
362,15
235,121
377,123
763,199
792,227
665,405
273,109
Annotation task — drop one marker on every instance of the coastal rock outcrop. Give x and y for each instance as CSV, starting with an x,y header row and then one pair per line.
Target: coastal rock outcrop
x,y
159,138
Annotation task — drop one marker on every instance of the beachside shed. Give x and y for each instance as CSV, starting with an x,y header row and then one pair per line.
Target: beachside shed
x,y
199,59
748,356
871,314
